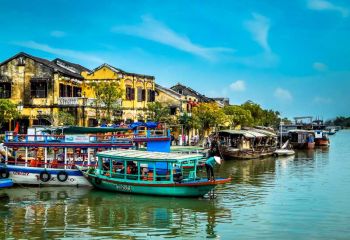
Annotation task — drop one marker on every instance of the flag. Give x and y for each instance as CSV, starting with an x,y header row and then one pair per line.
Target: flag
x,y
16,130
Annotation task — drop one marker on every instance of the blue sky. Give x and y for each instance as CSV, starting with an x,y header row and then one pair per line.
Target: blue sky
x,y
291,56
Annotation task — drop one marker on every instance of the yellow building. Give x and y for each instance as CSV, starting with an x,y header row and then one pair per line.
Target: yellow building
x,y
40,88
139,90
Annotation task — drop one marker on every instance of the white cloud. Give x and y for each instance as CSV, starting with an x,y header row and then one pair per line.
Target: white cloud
x,y
283,94
322,100
238,86
60,51
319,66
323,5
156,31
259,27
57,34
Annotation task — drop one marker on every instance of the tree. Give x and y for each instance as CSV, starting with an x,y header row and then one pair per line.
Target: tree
x,y
261,116
8,111
236,115
108,97
187,122
206,116
158,112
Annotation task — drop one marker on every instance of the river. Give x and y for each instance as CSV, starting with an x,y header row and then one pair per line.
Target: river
x,y
301,197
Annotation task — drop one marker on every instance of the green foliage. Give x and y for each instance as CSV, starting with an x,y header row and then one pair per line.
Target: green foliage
x,y
207,115
237,115
65,118
108,97
261,116
8,111
158,112
340,121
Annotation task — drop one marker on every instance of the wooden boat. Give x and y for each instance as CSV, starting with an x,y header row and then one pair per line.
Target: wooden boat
x,y
321,138
150,173
302,139
247,144
47,158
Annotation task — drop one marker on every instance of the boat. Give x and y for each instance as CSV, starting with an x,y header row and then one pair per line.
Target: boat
x,y
284,151
331,130
50,156
247,144
5,183
302,139
321,138
149,173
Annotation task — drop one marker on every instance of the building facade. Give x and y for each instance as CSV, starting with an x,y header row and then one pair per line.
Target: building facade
x,y
36,85
42,88
138,90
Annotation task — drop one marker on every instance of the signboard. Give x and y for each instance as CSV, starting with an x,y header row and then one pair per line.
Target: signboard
x,y
77,138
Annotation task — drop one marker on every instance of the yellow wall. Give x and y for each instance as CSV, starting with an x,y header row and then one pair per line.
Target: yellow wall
x,y
131,108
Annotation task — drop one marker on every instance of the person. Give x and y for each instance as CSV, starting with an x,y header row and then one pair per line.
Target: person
x,y
209,166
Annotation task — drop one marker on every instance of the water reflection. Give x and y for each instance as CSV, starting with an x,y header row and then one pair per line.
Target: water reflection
x,y
81,212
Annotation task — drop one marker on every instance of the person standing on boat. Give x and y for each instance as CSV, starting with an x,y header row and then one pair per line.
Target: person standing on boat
x,y
209,166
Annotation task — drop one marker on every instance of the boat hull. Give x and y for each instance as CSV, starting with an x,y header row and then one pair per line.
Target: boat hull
x,y
186,189
321,142
22,175
303,145
232,153
5,183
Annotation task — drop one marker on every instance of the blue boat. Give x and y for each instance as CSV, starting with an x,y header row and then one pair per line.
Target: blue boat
x,y
50,156
5,183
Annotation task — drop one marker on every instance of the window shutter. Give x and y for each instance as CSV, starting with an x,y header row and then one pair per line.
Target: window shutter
x,y
143,95
132,93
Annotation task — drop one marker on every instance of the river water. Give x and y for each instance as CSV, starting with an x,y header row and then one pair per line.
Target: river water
x,y
301,197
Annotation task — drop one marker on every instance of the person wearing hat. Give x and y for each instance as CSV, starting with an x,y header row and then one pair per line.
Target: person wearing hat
x,y
209,165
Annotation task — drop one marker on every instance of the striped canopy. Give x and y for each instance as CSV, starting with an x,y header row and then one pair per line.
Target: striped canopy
x,y
127,154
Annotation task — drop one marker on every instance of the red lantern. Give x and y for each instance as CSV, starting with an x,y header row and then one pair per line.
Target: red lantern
x,y
15,149
55,149
77,150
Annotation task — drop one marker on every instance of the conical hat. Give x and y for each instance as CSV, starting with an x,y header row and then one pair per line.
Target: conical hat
x,y
217,159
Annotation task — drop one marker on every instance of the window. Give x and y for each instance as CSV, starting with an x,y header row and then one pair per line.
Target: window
x,y
130,93
38,89
62,90
150,95
173,110
5,90
139,94
76,92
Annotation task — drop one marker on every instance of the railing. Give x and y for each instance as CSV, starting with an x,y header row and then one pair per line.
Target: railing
x,y
123,138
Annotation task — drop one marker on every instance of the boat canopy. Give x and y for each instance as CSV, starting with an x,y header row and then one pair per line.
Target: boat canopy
x,y
300,131
84,130
136,155
245,133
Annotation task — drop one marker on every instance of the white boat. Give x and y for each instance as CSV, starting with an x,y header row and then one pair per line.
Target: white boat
x,y
283,152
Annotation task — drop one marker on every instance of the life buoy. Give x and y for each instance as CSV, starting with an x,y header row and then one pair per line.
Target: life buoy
x,y
45,176
62,176
98,180
4,173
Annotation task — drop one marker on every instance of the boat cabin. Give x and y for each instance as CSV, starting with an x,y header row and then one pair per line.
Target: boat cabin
x,y
147,167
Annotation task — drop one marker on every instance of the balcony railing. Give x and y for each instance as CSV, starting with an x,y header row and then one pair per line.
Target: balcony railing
x,y
80,101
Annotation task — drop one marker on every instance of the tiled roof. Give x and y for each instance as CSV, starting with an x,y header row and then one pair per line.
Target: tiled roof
x,y
118,70
45,62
